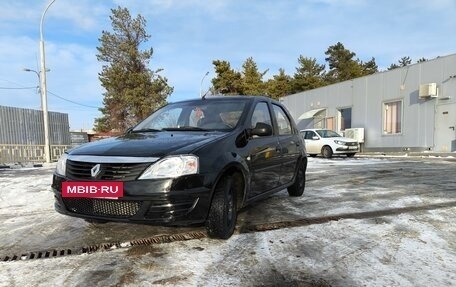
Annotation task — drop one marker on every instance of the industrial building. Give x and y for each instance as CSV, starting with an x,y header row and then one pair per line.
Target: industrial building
x,y
412,108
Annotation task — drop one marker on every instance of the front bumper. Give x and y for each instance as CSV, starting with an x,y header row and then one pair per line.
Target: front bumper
x,y
347,149
180,201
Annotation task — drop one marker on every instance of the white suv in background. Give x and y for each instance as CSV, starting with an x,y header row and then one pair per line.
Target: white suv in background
x,y
328,142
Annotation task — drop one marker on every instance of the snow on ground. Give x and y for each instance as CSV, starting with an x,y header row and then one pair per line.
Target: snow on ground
x,y
405,248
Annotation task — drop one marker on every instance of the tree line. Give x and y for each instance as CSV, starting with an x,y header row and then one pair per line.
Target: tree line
x,y
133,90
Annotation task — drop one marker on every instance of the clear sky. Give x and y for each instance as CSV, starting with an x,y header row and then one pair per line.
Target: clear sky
x,y
187,35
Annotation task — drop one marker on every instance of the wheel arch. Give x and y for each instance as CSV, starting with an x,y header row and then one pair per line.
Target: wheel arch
x,y
240,180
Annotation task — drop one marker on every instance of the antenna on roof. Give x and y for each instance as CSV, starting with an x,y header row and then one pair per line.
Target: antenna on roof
x,y
204,96
201,85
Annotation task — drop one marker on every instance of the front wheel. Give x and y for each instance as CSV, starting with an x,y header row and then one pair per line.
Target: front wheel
x,y
327,152
223,212
297,188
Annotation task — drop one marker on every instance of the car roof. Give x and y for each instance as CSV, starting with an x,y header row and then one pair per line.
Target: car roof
x,y
305,130
230,97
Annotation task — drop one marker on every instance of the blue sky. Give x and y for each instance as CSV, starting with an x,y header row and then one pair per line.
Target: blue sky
x,y
187,35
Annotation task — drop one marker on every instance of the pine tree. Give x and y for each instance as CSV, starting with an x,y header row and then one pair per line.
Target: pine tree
x,y
132,90
309,75
344,66
227,81
252,79
279,86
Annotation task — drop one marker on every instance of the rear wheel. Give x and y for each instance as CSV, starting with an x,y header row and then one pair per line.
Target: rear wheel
x,y
297,188
223,212
327,152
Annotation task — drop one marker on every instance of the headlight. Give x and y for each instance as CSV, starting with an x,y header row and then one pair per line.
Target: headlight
x,y
171,167
61,165
340,142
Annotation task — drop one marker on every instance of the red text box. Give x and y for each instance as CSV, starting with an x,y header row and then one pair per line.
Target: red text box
x,y
94,189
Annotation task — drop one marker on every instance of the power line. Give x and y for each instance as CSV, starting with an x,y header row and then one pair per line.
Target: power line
x,y
24,88
76,103
53,94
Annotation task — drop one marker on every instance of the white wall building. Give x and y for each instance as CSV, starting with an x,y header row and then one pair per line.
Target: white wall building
x,y
410,108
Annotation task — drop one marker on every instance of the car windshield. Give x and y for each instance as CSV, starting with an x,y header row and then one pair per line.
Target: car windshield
x,y
198,115
328,134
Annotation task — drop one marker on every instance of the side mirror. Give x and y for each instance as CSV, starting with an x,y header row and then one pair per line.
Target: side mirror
x,y
261,129
127,131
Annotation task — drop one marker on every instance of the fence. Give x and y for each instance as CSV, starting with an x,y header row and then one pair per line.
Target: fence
x,y
29,153
22,135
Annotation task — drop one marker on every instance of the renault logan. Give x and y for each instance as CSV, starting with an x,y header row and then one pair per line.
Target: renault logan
x,y
190,162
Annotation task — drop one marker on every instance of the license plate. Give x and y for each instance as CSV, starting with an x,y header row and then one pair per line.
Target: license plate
x,y
352,147
98,189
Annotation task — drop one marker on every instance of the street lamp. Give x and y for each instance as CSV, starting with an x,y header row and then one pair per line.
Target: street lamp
x,y
47,149
201,85
39,81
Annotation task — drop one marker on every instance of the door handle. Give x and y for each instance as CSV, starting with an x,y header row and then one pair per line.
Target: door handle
x,y
452,128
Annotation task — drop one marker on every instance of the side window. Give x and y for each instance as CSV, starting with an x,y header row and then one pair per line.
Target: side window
x,y
308,135
261,115
282,121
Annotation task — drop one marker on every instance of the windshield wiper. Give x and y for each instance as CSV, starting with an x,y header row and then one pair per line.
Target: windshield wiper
x,y
145,130
184,128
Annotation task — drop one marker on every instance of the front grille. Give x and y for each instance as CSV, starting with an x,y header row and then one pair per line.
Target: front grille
x,y
102,207
352,143
108,171
167,208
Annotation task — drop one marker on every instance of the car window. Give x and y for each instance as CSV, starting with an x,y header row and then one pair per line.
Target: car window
x,y
328,134
309,135
195,115
282,121
261,115
167,118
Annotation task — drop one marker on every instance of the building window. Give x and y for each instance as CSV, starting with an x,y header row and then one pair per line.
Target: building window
x,y
345,118
392,117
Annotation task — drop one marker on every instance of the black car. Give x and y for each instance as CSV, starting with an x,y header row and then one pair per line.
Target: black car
x,y
190,162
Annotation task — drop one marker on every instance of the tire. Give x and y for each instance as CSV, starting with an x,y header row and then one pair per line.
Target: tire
x,y
221,220
327,152
297,188
350,154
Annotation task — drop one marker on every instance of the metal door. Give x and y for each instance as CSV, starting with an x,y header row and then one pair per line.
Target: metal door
x,y
445,128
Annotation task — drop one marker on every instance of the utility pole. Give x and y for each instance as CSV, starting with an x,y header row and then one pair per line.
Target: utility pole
x,y
47,147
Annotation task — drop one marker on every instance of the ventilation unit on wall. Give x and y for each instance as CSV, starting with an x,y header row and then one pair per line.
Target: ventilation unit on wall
x,y
355,133
428,90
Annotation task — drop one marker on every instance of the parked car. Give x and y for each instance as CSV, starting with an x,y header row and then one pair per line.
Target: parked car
x,y
195,161
328,143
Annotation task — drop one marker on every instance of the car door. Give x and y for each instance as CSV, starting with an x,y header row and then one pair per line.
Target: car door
x,y
312,145
263,155
290,144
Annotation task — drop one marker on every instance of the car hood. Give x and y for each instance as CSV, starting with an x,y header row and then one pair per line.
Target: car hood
x,y
157,144
345,139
